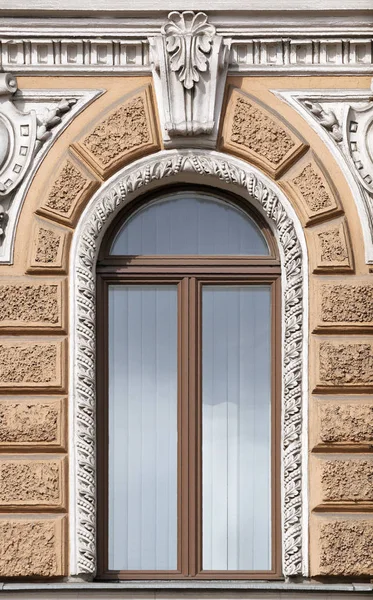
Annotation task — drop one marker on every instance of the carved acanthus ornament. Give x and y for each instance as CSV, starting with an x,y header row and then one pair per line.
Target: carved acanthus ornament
x,y
190,63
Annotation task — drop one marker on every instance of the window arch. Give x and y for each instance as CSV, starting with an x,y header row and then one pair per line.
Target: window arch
x,y
189,390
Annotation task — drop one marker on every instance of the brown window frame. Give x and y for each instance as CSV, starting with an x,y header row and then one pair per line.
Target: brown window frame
x,y
189,274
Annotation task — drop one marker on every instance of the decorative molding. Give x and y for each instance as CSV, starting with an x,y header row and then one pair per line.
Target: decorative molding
x,y
96,218
344,120
50,113
189,63
122,46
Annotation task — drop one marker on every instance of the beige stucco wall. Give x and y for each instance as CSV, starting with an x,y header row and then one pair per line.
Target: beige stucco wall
x,y
117,128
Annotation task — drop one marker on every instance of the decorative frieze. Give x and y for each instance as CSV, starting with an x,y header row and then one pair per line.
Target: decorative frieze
x,y
32,547
32,482
66,195
122,135
30,422
31,305
251,52
49,248
346,365
316,198
343,305
343,547
259,136
332,248
31,365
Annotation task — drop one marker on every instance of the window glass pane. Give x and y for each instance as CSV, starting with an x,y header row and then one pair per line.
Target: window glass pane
x,y
236,446
142,427
189,223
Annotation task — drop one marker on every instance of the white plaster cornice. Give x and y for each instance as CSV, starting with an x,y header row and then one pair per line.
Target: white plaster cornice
x,y
344,121
295,43
158,170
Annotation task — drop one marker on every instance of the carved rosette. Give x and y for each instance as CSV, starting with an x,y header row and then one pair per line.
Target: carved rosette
x,y
83,344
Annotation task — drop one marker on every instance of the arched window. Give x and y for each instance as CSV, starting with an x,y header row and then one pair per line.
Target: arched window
x,y
188,390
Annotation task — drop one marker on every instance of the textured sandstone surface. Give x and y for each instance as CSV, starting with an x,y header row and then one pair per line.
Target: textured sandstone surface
x,y
333,247
47,246
123,130
346,548
30,482
24,364
346,303
255,130
29,303
347,480
30,547
346,423
67,189
345,364
30,422
313,190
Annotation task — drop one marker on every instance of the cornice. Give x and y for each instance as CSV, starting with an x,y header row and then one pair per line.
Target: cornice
x,y
297,43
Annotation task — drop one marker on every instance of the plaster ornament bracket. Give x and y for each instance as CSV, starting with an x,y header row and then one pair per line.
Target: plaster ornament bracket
x,y
189,65
344,120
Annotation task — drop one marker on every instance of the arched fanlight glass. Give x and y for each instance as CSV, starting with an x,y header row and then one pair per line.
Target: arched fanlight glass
x,y
189,223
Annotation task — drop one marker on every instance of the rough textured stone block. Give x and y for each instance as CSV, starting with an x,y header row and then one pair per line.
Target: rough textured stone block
x,y
49,247
346,423
332,248
65,199
32,547
346,480
31,305
345,364
31,422
345,548
32,482
313,193
259,135
125,133
31,365
345,304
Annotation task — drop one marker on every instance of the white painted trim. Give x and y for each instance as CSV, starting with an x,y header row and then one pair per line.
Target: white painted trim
x,y
294,98
30,98
220,170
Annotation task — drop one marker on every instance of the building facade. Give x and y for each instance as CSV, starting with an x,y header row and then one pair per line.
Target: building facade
x,y
204,175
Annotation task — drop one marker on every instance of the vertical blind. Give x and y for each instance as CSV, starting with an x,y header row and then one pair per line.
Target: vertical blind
x,y
142,427
189,223
236,424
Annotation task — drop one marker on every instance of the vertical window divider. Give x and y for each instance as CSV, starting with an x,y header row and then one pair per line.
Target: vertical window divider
x,y
194,423
183,428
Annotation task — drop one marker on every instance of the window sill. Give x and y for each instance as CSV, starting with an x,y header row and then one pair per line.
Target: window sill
x,y
280,586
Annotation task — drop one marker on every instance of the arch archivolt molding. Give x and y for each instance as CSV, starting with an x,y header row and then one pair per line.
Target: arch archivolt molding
x,y
158,170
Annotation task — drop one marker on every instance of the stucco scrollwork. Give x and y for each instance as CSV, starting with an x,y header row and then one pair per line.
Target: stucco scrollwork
x,y
88,237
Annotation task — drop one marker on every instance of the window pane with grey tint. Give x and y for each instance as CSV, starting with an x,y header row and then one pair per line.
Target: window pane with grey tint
x,y
190,223
142,427
236,437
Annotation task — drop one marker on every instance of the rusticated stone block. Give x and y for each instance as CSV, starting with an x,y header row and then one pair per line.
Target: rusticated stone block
x,y
31,305
313,193
346,423
31,365
125,133
32,483
345,548
332,248
259,135
346,305
346,480
349,365
31,422
73,185
32,547
49,247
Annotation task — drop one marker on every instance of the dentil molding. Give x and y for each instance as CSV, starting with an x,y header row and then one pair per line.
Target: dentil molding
x,y
158,169
344,120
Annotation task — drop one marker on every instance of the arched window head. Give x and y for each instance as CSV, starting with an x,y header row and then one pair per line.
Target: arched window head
x,y
190,223
188,391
